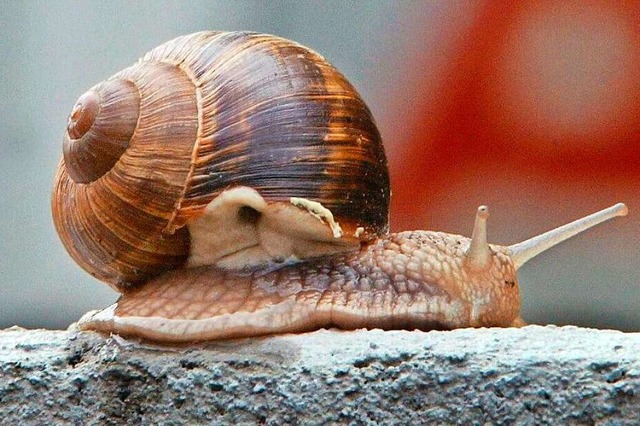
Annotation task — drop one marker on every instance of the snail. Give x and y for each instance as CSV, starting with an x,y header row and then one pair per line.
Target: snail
x,y
234,184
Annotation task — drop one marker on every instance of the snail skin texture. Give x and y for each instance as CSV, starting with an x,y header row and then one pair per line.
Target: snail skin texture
x,y
233,184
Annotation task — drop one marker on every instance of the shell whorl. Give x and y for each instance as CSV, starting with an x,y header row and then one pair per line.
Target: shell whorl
x,y
100,127
198,115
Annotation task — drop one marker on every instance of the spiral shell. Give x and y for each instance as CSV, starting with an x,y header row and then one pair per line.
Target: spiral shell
x,y
148,149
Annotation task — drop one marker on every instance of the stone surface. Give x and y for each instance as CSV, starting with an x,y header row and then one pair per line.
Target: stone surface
x,y
527,376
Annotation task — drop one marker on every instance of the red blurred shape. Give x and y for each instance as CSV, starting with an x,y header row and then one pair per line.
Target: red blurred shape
x,y
547,91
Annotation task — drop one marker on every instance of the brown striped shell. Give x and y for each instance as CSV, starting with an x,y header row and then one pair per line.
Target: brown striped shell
x,y
148,149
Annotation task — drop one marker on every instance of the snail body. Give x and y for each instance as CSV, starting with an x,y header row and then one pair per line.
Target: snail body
x,y
235,184
402,281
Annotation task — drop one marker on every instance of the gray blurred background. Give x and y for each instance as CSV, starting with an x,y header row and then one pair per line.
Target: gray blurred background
x,y
52,51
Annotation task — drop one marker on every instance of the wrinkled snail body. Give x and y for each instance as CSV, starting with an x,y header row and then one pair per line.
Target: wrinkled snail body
x,y
235,184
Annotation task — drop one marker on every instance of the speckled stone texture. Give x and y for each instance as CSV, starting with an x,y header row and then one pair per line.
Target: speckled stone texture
x,y
528,376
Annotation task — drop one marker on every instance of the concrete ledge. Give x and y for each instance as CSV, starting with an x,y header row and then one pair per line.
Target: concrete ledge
x,y
533,375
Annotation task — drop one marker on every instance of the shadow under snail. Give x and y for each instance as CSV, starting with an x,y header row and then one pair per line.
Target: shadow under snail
x,y
234,184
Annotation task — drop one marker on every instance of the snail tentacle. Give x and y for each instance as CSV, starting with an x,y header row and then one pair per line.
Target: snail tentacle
x,y
526,250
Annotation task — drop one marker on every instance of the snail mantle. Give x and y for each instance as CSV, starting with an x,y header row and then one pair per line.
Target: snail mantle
x,y
530,375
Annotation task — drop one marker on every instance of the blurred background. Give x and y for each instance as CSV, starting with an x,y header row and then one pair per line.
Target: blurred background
x,y
530,107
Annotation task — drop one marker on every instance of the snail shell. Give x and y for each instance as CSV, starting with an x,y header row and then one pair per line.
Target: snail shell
x,y
147,150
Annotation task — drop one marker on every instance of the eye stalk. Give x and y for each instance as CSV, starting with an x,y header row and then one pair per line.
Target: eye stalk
x,y
479,254
526,250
